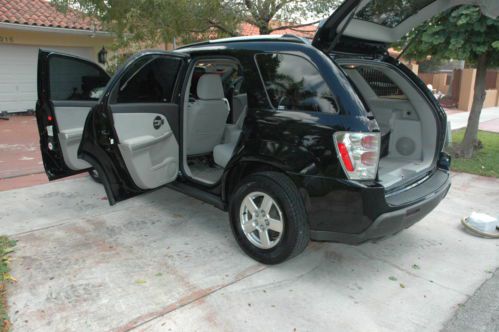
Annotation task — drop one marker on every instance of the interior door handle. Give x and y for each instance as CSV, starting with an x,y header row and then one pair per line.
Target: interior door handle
x,y
158,122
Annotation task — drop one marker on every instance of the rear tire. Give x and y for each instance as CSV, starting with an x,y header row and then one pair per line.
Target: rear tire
x,y
271,196
95,175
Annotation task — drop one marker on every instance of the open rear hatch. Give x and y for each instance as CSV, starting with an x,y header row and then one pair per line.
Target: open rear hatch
x,y
411,122
361,26
412,132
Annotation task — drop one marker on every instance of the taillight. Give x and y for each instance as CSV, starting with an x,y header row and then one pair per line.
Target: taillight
x,y
345,157
358,154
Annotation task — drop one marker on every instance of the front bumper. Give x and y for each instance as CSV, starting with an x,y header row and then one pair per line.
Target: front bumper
x,y
368,213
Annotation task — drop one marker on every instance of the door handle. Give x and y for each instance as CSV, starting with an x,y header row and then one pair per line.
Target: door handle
x,y
158,122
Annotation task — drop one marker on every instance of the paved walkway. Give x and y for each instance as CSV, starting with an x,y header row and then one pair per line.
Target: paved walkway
x,y
164,261
20,158
489,119
19,147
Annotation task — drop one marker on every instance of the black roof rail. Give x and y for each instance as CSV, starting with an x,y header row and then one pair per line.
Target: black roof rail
x,y
302,39
263,38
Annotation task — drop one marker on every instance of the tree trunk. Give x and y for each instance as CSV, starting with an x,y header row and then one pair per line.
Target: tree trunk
x,y
470,137
264,29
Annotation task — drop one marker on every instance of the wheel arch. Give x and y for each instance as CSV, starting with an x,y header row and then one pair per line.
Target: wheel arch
x,y
242,169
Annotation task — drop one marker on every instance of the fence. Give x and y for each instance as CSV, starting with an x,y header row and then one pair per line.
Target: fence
x,y
459,84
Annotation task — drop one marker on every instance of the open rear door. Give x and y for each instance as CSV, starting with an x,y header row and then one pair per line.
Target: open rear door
x,y
68,87
132,137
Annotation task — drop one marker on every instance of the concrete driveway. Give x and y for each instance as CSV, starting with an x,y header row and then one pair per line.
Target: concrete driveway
x,y
164,261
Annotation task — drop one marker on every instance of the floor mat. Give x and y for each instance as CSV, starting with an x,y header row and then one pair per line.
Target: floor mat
x,y
204,172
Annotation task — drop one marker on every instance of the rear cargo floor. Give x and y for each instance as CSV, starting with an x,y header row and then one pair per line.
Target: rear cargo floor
x,y
392,170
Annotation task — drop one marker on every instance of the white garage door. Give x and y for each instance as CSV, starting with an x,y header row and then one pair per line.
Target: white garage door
x,y
18,65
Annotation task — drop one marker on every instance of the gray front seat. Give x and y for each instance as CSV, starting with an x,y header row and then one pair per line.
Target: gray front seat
x,y
206,116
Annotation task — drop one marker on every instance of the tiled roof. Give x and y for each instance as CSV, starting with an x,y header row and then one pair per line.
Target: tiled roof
x,y
42,13
247,29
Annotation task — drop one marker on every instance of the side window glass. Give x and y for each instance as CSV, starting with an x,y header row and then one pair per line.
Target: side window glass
x,y
293,83
152,82
74,79
230,72
233,80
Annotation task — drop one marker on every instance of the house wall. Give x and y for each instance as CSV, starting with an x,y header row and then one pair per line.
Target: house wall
x,y
18,60
47,39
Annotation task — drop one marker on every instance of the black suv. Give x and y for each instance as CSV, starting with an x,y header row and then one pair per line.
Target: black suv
x,y
331,140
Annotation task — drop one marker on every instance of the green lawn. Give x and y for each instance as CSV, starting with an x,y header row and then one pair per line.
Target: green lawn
x,y
485,161
6,247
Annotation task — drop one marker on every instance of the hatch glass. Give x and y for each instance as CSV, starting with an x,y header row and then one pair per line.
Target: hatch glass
x,y
390,13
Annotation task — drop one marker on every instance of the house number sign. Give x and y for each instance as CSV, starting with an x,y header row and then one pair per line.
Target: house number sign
x,y
6,39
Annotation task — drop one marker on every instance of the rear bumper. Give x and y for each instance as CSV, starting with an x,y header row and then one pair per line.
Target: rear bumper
x,y
377,215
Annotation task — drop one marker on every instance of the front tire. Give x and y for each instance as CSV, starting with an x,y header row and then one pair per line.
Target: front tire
x,y
268,218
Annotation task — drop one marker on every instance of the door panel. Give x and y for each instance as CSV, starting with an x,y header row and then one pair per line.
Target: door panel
x,y
131,137
70,120
149,148
67,87
170,111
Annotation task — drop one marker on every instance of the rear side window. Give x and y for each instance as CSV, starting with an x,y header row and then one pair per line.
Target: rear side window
x,y
381,84
152,82
293,83
230,72
74,79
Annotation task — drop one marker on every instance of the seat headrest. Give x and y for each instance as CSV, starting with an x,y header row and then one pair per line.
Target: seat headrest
x,y
210,87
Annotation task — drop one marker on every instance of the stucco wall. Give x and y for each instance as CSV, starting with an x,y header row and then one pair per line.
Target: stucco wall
x,y
47,39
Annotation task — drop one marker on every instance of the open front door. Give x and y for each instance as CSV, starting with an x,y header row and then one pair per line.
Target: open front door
x,y
68,87
132,137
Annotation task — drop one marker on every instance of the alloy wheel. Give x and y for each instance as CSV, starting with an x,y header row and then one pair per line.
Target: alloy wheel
x,y
261,220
